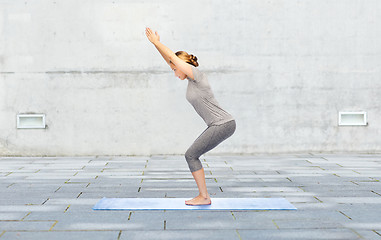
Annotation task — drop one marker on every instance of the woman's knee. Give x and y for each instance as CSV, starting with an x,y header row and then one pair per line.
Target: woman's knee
x,y
193,162
189,155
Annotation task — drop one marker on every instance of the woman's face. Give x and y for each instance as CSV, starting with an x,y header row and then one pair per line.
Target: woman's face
x,y
178,72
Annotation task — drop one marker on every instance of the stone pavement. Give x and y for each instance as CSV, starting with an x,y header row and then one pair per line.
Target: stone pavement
x,y
338,197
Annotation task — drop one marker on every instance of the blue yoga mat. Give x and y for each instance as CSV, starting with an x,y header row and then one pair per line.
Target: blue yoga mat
x,y
179,204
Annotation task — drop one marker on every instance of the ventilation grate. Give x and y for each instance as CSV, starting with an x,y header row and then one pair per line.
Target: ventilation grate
x,y
30,120
352,119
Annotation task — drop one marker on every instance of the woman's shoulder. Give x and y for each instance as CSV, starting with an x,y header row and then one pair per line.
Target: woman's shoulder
x,y
198,75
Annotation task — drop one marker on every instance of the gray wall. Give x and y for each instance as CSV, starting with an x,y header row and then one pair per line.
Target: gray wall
x,y
283,68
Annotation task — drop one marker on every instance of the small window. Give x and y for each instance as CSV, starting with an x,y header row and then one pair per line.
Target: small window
x,y
30,120
352,119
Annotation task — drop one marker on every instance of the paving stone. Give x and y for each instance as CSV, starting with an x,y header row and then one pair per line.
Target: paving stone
x,y
201,221
369,234
71,201
53,216
108,220
307,223
371,200
345,193
329,189
70,188
29,208
180,234
263,189
213,220
113,194
64,235
10,216
369,185
315,234
23,201
26,225
299,215
173,182
363,225
112,189
362,213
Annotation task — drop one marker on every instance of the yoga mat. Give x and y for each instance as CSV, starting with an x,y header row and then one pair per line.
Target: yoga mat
x,y
179,204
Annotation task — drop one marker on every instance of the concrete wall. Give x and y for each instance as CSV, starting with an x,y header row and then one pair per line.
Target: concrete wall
x,y
283,68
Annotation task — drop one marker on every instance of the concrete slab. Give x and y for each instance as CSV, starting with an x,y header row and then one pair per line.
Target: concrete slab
x,y
12,216
38,225
107,220
342,234
64,235
308,223
180,234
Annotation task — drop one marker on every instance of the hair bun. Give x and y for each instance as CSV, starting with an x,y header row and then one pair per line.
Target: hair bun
x,y
189,58
193,57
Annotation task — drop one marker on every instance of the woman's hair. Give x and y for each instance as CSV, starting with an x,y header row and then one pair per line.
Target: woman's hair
x,y
188,58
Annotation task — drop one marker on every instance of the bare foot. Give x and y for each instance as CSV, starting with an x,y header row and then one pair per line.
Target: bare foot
x,y
199,200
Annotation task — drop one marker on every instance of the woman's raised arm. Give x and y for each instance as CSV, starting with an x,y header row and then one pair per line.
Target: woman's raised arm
x,y
153,37
168,55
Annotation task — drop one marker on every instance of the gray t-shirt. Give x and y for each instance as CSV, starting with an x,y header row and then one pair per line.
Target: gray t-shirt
x,y
200,95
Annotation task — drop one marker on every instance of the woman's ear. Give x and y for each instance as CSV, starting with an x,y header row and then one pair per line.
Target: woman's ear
x,y
186,68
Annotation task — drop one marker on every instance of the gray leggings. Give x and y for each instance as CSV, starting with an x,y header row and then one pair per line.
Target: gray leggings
x,y
208,140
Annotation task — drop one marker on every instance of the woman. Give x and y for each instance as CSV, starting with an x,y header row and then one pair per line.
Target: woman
x,y
221,124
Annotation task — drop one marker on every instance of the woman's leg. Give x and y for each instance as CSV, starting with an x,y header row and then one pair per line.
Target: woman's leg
x,y
203,198
208,140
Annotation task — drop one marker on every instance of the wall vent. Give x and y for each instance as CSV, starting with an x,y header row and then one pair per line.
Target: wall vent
x,y
30,120
352,119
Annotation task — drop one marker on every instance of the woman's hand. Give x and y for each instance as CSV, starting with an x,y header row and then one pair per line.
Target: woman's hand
x,y
152,37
